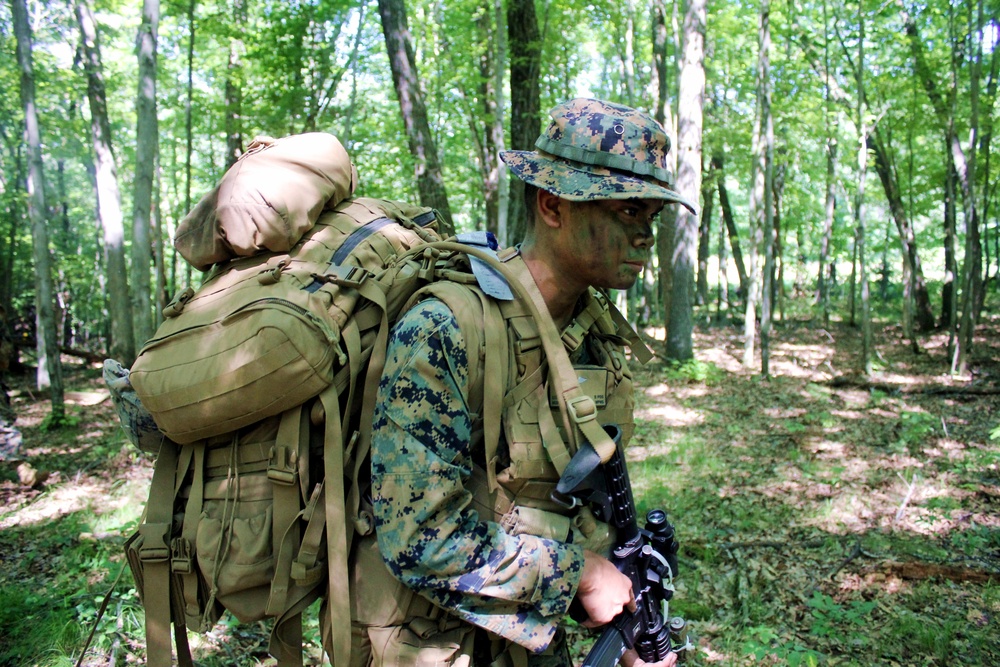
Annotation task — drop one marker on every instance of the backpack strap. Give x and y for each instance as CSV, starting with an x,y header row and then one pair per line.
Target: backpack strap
x,y
577,408
158,593
482,325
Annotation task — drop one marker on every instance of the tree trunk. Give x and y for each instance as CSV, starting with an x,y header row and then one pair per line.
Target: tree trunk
x,y
234,86
525,46
109,208
949,289
923,315
972,264
859,209
691,102
189,124
661,110
767,148
664,116
49,365
490,125
705,240
727,216
403,64
347,128
723,298
145,159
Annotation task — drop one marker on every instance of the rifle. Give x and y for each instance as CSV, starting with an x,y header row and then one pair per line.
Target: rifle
x,y
647,556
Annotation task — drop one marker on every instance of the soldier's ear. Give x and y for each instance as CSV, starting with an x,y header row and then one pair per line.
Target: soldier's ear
x,y
550,209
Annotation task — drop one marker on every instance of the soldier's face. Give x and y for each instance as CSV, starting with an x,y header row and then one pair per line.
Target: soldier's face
x,y
608,241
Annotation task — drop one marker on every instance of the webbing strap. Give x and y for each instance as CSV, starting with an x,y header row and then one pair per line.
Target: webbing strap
x,y
183,561
376,364
553,443
496,368
639,349
155,555
338,531
577,409
283,473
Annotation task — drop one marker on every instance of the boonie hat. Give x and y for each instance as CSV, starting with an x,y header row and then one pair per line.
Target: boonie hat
x,y
598,150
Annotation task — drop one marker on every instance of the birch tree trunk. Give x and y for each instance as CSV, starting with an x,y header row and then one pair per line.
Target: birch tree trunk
x,y
403,64
145,160
691,102
49,365
109,207
525,47
767,148
859,209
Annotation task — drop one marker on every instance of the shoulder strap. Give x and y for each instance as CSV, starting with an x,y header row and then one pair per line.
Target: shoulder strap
x,y
482,326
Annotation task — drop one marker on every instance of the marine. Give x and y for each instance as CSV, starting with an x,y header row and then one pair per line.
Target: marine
x,y
470,562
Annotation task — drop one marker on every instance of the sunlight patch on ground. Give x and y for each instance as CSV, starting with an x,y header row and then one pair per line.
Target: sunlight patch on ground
x,y
75,496
671,415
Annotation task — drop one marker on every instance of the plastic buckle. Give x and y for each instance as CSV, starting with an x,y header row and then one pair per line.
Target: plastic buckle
x,y
273,275
347,276
176,305
572,337
154,547
428,262
180,555
283,466
582,409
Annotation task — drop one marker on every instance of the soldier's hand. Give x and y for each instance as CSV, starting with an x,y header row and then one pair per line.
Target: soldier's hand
x,y
632,659
604,591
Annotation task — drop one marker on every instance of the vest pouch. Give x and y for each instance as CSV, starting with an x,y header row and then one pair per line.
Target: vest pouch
x,y
416,646
532,521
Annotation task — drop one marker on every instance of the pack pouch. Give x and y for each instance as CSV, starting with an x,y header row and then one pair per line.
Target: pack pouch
x,y
263,334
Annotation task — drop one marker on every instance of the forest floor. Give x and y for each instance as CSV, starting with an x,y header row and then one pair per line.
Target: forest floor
x,y
824,518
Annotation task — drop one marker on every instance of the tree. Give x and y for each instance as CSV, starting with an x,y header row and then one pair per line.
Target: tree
x,y
689,150
525,46
859,206
766,125
234,85
145,162
109,208
403,65
49,364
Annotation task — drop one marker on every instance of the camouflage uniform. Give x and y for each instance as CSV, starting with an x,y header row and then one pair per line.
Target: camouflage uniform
x,y
426,444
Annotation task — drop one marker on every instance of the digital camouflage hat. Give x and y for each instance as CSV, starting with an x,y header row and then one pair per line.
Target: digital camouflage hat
x,y
598,150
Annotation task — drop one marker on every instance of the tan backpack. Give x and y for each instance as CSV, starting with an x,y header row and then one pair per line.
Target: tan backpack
x,y
263,383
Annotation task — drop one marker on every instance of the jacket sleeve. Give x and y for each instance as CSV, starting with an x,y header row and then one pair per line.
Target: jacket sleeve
x,y
429,534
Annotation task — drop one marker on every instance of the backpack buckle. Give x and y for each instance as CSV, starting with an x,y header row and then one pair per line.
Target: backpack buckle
x,y
582,409
427,264
180,556
273,275
283,466
154,547
344,276
176,305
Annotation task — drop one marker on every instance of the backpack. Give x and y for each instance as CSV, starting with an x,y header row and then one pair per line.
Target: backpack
x,y
263,381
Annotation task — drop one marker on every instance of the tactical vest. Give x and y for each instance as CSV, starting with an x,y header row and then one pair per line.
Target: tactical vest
x,y
520,440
